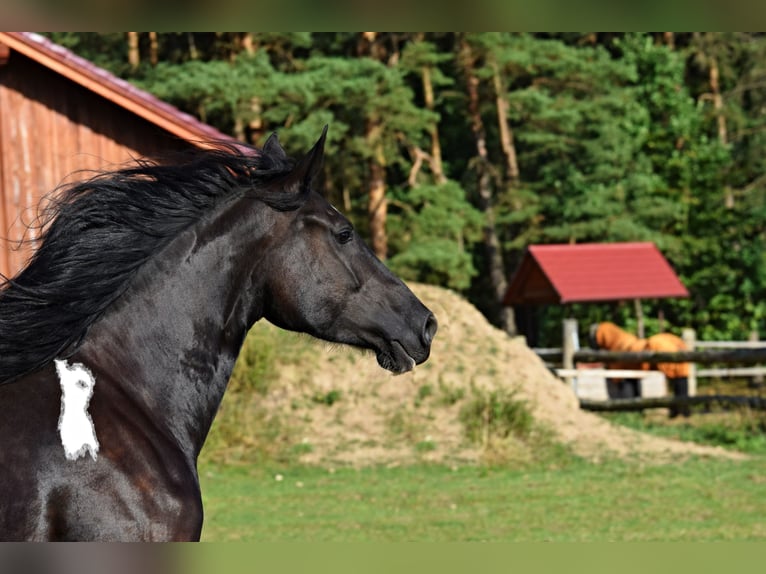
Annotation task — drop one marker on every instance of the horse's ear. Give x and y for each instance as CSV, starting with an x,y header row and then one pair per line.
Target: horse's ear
x,y
273,148
311,164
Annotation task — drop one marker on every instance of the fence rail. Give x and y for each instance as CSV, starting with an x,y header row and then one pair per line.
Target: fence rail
x,y
728,344
745,359
732,372
704,352
640,404
606,373
749,356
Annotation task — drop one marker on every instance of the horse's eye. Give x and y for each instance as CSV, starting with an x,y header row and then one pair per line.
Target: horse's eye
x,y
345,236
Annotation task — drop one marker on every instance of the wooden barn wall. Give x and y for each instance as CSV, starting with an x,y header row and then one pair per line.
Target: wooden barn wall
x,y
51,129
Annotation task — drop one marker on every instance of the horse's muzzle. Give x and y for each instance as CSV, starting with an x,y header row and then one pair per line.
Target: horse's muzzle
x,y
399,357
429,330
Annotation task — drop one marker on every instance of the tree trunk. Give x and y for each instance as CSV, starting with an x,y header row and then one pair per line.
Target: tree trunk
x,y
239,128
154,48
377,206
723,137
506,135
715,88
499,285
134,56
436,149
247,43
193,52
369,45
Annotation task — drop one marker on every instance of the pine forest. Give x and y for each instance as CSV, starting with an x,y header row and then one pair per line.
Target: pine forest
x,y
452,152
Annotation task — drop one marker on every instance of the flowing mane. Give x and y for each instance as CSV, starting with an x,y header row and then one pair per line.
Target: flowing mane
x,y
226,238
99,232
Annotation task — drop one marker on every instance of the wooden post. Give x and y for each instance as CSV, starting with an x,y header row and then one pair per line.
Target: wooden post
x,y
690,338
570,342
639,318
757,380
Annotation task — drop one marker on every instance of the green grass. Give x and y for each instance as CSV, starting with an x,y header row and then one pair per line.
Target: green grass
x,y
740,429
528,487
699,500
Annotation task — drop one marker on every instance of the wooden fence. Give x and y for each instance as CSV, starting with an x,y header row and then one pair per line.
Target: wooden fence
x,y
640,404
564,360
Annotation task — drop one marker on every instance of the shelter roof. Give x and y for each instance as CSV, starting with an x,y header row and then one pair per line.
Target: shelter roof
x,y
81,71
592,272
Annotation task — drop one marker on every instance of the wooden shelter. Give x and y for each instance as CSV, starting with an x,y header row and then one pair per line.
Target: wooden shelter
x,y
590,273
60,114
593,272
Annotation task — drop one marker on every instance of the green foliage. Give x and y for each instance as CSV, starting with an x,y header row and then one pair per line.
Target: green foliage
x,y
218,92
402,425
425,446
108,50
424,392
449,394
432,228
495,414
617,137
329,398
578,130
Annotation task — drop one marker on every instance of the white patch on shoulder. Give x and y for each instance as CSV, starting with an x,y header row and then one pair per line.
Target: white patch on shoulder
x,y
75,425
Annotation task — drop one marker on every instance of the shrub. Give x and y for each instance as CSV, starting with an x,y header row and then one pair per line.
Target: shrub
x,y
329,398
495,413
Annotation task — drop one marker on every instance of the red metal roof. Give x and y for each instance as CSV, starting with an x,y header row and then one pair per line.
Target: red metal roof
x,y
592,272
117,90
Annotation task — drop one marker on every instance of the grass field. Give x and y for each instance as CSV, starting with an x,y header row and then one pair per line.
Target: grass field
x,y
289,398
699,500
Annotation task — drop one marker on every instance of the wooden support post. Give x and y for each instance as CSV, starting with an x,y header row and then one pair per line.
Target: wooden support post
x,y
689,337
570,342
757,380
639,318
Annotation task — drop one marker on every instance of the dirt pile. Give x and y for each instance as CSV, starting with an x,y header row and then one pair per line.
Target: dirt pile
x,y
342,408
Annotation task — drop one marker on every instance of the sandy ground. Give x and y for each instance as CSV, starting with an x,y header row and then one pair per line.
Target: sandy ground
x,y
378,418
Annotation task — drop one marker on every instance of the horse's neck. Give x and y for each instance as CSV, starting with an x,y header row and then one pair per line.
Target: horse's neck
x,y
177,331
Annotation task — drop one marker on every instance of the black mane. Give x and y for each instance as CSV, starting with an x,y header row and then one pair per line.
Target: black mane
x,y
101,231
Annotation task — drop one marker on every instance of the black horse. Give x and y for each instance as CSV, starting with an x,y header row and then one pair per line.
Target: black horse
x,y
119,337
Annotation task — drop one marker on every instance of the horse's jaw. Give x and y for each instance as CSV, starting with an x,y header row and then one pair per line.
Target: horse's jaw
x,y
395,359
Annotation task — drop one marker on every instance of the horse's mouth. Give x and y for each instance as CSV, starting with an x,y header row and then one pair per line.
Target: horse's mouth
x,y
396,359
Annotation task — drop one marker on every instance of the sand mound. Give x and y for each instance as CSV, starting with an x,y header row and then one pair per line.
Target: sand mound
x,y
347,410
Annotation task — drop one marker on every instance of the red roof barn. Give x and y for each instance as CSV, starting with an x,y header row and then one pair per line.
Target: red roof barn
x,y
60,114
592,272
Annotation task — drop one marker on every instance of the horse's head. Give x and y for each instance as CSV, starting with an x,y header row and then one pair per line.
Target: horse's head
x,y
325,281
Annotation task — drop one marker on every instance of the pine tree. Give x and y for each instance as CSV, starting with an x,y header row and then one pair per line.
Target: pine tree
x,y
549,137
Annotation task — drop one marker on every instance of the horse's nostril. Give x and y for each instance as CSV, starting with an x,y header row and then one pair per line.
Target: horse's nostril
x,y
430,329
